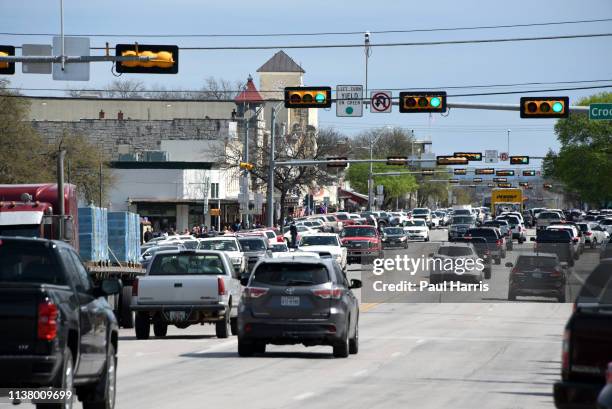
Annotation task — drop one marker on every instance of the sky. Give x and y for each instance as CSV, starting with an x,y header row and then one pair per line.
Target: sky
x,y
417,67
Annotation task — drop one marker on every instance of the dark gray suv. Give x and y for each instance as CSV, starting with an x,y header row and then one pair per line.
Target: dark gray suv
x,y
298,300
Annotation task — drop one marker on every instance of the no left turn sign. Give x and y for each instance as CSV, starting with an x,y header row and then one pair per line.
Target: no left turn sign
x,y
380,101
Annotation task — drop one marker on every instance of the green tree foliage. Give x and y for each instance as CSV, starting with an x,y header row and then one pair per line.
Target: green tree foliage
x,y
394,186
584,162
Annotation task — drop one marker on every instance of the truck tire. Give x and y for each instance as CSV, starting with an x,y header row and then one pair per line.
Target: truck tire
x,y
104,391
160,329
143,326
234,325
64,380
126,316
245,348
222,328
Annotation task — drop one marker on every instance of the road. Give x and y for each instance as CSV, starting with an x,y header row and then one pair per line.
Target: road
x,y
423,355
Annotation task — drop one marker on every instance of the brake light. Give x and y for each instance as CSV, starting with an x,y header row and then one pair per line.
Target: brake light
x,y
135,288
565,365
555,273
280,239
221,286
609,374
254,292
326,294
499,243
47,320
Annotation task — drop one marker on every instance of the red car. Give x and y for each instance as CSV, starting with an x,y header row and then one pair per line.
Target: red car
x,y
363,243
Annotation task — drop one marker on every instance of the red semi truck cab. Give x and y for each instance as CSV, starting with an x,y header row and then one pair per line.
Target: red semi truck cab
x,y
33,211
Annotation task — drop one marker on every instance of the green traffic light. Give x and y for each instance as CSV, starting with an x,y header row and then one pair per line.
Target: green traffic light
x,y
557,107
349,110
320,98
435,102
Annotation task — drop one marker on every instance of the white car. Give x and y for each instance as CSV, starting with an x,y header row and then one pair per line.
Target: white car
x,y
517,214
594,234
607,225
324,243
292,254
417,229
230,246
301,229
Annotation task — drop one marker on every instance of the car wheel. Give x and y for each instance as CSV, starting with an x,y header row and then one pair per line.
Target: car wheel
x,y
487,274
104,392
143,326
259,347
354,342
222,328
64,380
511,296
126,315
341,348
160,329
427,238
245,348
406,246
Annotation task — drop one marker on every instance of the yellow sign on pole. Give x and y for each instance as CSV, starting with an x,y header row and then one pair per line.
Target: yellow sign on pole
x,y
215,212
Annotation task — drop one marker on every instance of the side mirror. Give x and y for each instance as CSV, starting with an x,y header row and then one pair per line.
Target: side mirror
x,y
509,265
532,239
111,286
355,284
146,256
244,279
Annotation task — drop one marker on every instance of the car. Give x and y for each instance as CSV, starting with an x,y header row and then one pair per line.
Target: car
x,y
279,248
269,234
332,223
435,220
398,218
546,218
516,227
459,224
576,240
363,243
587,342
304,300
230,246
314,224
422,213
327,243
528,219
604,400
556,241
443,217
296,253
493,238
300,230
344,218
147,255
417,229
607,225
598,235
184,288
540,274
394,237
505,231
453,252
254,249
58,330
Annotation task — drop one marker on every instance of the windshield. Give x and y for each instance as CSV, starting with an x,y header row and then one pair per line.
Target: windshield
x,y
290,274
220,245
253,244
191,244
536,262
415,223
21,231
462,220
319,241
359,231
420,211
394,230
462,212
184,264
455,251
29,263
549,215
342,216
279,248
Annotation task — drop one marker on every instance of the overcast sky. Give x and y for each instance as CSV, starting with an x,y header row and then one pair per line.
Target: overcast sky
x,y
393,67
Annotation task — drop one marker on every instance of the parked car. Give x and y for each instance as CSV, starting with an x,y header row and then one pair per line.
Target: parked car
x,y
417,229
230,246
305,301
540,274
363,243
327,243
48,340
394,237
587,343
184,288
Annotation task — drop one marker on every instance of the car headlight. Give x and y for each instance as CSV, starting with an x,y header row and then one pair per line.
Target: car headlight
x,y
403,238
236,260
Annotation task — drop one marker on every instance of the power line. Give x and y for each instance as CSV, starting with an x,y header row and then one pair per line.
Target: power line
x,y
331,33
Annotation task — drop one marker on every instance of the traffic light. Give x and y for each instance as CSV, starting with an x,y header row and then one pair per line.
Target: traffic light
x,y
308,97
500,179
7,68
453,181
337,162
529,173
397,160
460,171
470,156
427,172
246,166
484,171
504,185
165,59
547,186
477,180
504,173
523,184
519,160
544,107
450,160
419,101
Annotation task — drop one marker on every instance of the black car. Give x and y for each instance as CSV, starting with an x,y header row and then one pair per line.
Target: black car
x,y
394,237
557,242
58,330
537,275
493,239
254,248
298,301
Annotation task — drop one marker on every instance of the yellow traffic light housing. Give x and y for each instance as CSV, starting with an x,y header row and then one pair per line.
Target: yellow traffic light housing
x,y
164,59
504,173
422,101
246,166
519,160
544,107
397,160
484,171
529,173
308,97
470,156
450,160
7,68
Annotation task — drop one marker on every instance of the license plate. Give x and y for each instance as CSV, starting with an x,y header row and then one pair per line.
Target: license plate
x,y
290,301
536,275
177,315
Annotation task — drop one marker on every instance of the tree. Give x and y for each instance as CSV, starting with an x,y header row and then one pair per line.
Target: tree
x,y
394,187
584,162
125,89
433,192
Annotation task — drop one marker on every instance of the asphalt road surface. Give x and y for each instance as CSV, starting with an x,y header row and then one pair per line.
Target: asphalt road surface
x,y
495,354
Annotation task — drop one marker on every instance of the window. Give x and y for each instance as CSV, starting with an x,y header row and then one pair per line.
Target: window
x,y
253,244
185,264
292,274
29,263
455,251
359,232
214,190
319,241
220,245
84,279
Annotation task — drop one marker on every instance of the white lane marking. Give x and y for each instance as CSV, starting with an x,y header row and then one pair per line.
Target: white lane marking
x,y
360,373
420,341
395,354
217,346
304,395
139,354
454,339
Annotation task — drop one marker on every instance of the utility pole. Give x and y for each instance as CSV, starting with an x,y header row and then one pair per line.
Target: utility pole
x,y
508,145
368,53
370,180
271,164
60,192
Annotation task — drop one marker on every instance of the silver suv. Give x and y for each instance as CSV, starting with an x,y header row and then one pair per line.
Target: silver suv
x,y
298,300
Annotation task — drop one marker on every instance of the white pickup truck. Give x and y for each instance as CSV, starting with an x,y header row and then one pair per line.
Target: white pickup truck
x,y
324,243
184,288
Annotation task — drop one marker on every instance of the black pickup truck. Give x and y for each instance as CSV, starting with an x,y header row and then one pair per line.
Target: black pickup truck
x,y
57,329
587,343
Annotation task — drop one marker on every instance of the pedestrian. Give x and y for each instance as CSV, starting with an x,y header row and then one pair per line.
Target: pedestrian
x,y
148,235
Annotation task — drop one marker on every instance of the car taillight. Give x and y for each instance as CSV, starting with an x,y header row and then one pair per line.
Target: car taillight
x,y
221,286
588,233
254,292
135,288
609,374
280,239
47,320
499,243
565,353
326,294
